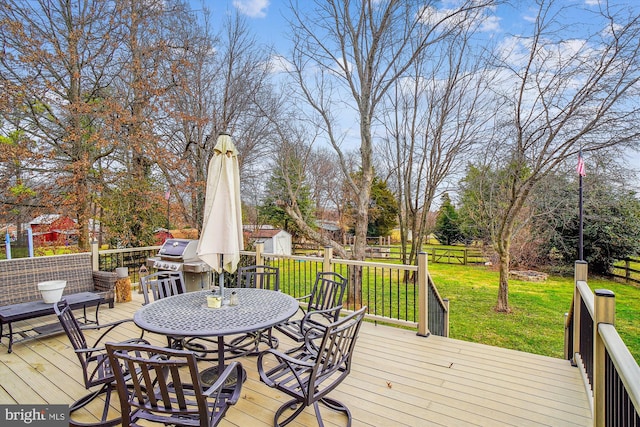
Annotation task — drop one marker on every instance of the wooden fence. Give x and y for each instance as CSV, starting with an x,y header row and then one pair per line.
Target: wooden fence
x,y
442,255
628,270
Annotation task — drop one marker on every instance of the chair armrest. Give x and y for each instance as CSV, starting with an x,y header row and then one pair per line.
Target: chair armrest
x,y
218,385
329,315
109,327
104,281
105,325
292,363
304,297
335,311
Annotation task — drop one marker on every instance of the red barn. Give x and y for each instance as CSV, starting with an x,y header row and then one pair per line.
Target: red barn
x,y
53,228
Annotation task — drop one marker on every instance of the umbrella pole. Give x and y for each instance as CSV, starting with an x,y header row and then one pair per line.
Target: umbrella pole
x,y
221,281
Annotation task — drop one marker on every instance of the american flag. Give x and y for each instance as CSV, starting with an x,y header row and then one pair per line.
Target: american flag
x,y
580,168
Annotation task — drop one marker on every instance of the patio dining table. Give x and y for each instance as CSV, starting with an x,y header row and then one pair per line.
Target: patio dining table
x,y
188,315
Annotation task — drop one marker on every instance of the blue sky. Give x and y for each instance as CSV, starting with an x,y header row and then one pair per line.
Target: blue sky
x,y
267,20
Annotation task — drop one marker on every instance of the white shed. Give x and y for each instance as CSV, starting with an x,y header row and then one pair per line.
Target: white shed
x,y
275,241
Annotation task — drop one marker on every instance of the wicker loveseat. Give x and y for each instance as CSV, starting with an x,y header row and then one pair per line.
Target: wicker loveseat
x,y
19,277
21,300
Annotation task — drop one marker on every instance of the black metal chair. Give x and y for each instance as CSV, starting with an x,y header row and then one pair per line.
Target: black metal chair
x,y
260,277
167,387
311,373
96,369
164,284
324,305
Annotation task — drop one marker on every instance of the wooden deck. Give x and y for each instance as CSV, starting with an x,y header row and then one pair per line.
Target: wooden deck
x,y
397,379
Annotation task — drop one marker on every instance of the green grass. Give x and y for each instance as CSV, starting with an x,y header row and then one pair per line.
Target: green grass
x,y
536,324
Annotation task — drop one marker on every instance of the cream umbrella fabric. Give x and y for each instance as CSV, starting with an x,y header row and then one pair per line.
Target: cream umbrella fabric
x,y
221,238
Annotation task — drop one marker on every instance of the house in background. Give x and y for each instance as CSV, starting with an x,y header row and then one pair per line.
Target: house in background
x,y
275,241
331,229
52,228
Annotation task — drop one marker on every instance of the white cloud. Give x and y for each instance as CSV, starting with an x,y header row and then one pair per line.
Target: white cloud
x,y
447,18
252,8
592,2
280,64
490,23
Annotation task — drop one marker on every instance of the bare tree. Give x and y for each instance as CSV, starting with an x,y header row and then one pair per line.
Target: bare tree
x,y
347,55
54,57
436,116
223,85
564,94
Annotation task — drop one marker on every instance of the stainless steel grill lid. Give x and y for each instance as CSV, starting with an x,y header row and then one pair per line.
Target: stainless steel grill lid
x,y
178,249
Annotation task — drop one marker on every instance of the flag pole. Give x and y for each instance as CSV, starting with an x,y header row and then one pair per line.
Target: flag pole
x,y
580,234
581,174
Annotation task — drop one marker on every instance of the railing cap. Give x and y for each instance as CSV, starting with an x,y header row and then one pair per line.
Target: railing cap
x,y
604,293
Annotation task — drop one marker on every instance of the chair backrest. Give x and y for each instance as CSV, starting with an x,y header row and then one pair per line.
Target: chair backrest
x,y
166,387
162,284
327,292
335,353
259,276
92,362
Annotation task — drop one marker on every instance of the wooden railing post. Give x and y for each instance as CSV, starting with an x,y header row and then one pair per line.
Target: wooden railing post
x,y
446,317
259,251
605,312
95,257
580,274
423,295
326,263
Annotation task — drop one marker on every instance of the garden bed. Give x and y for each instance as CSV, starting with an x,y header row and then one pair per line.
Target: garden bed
x,y
528,275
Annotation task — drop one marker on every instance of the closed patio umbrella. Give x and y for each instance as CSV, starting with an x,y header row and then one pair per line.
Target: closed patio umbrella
x,y
221,238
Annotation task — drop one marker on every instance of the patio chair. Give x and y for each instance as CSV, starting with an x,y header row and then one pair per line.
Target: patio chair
x,y
324,305
167,388
311,373
164,284
260,277
96,369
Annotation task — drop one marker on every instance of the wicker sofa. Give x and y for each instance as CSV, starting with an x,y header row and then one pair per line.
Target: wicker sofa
x,y
19,277
21,300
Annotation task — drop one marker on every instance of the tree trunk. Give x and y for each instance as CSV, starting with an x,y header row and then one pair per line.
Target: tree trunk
x,y
359,248
503,291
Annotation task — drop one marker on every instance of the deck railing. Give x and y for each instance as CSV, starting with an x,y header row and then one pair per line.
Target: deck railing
x,y
593,344
397,294
132,258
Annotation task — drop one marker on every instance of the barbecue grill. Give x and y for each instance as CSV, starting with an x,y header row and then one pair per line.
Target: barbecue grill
x,y
180,255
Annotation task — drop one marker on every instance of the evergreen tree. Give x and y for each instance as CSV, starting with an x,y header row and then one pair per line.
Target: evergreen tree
x,y
611,219
383,210
272,211
447,223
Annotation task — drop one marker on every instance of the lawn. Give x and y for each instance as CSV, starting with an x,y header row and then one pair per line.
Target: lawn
x,y
536,324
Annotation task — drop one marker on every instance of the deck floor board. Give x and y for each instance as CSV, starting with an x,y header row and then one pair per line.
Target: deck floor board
x,y
397,379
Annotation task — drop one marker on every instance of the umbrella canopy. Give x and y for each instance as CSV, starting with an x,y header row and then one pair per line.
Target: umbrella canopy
x,y
221,238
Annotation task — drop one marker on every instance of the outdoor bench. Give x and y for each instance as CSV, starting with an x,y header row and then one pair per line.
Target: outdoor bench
x,y
20,298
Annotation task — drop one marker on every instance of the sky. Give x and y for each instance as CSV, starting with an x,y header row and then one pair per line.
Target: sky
x,y
267,19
